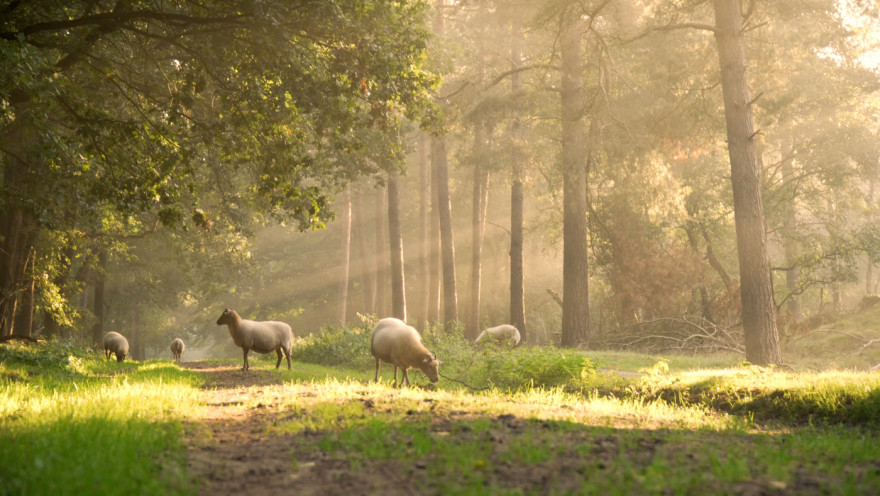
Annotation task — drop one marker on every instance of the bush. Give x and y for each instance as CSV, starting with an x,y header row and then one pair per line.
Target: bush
x,y
347,347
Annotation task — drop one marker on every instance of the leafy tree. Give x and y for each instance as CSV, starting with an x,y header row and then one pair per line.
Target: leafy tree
x,y
195,113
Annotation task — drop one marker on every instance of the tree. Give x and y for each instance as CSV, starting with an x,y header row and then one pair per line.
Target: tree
x,y
575,308
346,256
758,312
517,286
230,108
395,235
480,201
442,204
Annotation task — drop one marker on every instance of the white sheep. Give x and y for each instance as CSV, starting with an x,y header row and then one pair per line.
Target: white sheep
x,y
504,333
117,344
177,348
262,337
401,345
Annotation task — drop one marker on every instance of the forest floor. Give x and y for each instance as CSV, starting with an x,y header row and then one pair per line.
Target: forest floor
x,y
359,438
232,449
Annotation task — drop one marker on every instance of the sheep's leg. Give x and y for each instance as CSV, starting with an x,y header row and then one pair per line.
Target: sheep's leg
x,y
405,377
395,375
287,354
246,366
377,370
278,352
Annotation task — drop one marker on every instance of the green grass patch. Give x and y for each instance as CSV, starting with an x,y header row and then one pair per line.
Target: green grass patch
x,y
81,425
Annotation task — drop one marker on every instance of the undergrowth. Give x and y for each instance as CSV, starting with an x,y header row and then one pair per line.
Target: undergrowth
x,y
485,367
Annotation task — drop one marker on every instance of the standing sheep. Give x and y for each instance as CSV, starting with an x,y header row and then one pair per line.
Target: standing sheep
x,y
117,344
262,337
504,333
177,348
400,345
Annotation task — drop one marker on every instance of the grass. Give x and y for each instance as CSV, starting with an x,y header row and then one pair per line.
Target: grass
x,y
549,421
72,423
451,441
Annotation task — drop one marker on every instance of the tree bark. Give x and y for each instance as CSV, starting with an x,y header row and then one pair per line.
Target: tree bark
x,y
425,278
517,276
398,286
346,256
759,324
447,243
360,229
789,243
478,229
575,279
436,276
381,309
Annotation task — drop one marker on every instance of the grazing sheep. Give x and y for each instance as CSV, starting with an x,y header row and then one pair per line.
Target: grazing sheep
x,y
262,337
177,348
400,345
117,344
504,333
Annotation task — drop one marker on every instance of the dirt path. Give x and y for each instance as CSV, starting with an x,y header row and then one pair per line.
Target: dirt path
x,y
230,451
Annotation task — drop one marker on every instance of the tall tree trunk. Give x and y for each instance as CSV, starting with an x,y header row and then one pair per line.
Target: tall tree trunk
x,y
789,243
758,312
575,278
98,308
395,236
440,172
10,259
425,278
517,276
381,256
360,230
346,256
478,229
436,268
447,243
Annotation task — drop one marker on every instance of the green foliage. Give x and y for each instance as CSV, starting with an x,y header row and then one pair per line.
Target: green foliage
x,y
347,347
544,367
73,423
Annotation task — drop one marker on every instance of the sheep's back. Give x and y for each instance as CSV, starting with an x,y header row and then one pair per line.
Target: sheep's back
x,y
115,342
266,336
392,337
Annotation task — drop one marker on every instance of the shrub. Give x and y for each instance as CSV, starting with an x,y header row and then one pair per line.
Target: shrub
x,y
336,347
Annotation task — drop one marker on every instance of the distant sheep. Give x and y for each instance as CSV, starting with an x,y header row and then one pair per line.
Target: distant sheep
x,y
504,333
262,337
396,343
117,344
177,348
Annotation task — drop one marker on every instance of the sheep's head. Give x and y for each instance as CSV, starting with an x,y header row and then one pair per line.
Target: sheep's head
x,y
227,317
120,357
431,366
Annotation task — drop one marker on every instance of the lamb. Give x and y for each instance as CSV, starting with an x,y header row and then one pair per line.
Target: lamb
x,y
117,344
400,345
262,337
504,333
177,348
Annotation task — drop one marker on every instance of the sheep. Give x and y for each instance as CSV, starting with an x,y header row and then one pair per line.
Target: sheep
x,y
177,348
115,343
262,337
504,333
400,345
